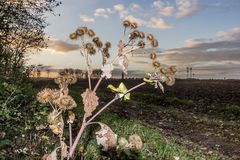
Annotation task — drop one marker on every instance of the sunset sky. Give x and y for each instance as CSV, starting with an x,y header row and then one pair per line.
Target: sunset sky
x,y
202,34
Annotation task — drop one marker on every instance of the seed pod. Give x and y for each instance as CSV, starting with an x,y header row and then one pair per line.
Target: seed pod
x,y
136,33
173,69
108,45
141,44
156,64
99,44
95,39
73,36
153,55
126,23
150,37
71,117
91,33
80,31
133,25
154,43
141,35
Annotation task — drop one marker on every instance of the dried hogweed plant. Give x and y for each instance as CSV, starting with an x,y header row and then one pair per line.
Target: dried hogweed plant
x,y
61,101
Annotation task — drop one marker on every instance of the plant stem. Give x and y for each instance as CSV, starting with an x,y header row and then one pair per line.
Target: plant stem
x,y
70,134
97,85
83,126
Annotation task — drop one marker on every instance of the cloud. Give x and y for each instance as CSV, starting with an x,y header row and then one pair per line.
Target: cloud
x,y
139,21
187,7
59,46
135,7
164,8
119,7
233,34
102,12
85,18
158,23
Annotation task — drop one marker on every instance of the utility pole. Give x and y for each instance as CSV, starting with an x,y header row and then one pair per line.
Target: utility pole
x,y
187,72
190,72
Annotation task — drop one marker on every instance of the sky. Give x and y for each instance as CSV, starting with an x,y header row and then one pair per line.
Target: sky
x,y
201,34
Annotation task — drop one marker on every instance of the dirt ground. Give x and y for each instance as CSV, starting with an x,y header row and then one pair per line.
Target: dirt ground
x,y
202,115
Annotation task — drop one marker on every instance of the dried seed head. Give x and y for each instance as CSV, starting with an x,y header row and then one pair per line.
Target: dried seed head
x,y
99,44
92,51
156,64
66,103
126,23
150,37
141,44
133,25
106,53
95,39
153,55
108,45
80,31
170,80
44,96
85,29
73,36
71,117
141,35
173,69
154,43
91,33
55,94
136,33
163,70
88,45
135,142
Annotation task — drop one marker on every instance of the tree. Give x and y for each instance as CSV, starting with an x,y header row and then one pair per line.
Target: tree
x,y
22,24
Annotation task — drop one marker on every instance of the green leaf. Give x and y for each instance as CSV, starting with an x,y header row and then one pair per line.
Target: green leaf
x,y
121,89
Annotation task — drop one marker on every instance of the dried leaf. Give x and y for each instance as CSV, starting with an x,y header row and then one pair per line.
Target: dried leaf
x,y
90,101
51,156
106,137
107,70
64,151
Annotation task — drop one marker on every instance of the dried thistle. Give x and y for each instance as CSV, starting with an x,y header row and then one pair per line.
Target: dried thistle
x,y
154,43
141,35
126,23
141,44
66,103
44,96
95,39
71,117
80,31
90,101
108,45
73,36
150,37
156,64
91,33
135,142
133,25
153,55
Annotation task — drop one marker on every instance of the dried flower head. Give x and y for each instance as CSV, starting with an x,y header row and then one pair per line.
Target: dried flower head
x,y
55,94
88,45
153,55
106,137
156,64
71,117
44,96
154,43
106,52
80,31
73,36
136,143
108,45
55,122
133,25
99,44
136,33
150,37
141,35
107,70
90,101
92,51
95,39
170,80
66,103
173,69
141,44
91,33
126,23
164,70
